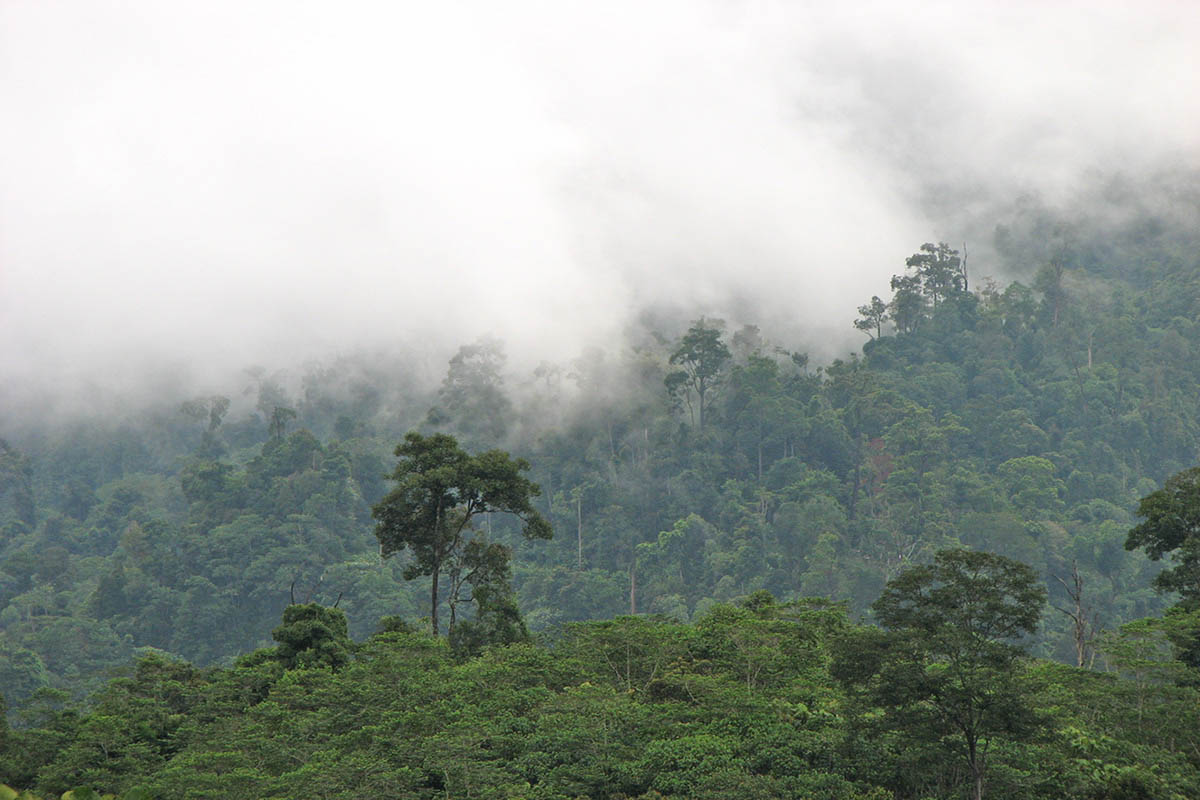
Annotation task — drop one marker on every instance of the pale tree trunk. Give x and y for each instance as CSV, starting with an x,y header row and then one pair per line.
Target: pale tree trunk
x,y
633,588
1083,622
433,600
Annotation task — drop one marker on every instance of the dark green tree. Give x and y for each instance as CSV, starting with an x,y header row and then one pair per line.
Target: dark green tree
x,y
941,272
874,314
946,668
478,573
908,304
279,421
312,635
936,274
701,357
440,489
481,576
1172,526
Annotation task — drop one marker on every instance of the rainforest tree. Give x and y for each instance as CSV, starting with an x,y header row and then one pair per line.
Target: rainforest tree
x,y
701,358
440,489
1172,526
945,669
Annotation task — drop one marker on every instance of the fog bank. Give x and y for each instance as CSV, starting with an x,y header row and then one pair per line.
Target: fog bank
x,y
190,189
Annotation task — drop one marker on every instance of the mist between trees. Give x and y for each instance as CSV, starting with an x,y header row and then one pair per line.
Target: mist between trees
x,y
700,482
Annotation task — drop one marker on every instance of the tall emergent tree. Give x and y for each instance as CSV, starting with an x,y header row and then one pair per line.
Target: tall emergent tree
x,y
941,271
440,489
701,358
946,667
874,314
937,274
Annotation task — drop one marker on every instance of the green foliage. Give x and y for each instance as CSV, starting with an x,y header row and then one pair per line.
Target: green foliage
x,y
312,635
472,398
484,568
440,490
1024,419
1172,526
874,314
946,670
22,673
701,357
965,599
941,271
742,703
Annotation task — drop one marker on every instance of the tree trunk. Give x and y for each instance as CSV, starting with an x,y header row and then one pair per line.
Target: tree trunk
x,y
579,528
857,480
633,587
1079,615
976,769
433,600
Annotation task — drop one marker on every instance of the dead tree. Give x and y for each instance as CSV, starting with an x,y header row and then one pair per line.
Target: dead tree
x,y
1083,619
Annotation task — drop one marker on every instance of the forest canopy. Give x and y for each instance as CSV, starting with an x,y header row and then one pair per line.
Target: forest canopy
x,y
731,519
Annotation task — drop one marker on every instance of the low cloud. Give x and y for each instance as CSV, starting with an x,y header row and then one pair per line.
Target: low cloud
x,y
211,185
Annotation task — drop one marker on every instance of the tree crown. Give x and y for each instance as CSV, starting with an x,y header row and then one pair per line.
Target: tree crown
x,y
440,487
969,592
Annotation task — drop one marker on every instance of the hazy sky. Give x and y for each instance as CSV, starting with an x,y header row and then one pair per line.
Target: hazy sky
x,y
215,183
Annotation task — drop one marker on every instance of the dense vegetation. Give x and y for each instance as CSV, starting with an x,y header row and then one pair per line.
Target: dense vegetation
x,y
691,479
757,699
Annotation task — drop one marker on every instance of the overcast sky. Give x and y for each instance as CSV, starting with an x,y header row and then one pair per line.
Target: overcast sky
x,y
224,183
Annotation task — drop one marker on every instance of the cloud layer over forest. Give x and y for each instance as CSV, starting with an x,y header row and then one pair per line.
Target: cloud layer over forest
x,y
216,184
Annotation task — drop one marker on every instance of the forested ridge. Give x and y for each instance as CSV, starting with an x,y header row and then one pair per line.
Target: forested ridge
x,y
731,521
